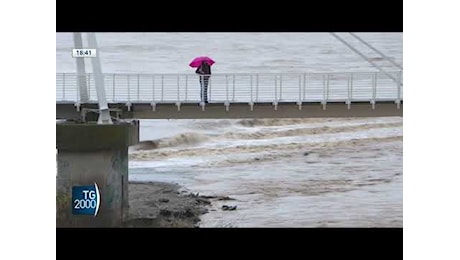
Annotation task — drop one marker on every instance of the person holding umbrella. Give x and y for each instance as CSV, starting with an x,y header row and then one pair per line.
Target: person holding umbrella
x,y
203,65
204,70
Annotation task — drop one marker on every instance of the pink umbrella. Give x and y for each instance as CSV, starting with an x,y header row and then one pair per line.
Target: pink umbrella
x,y
198,60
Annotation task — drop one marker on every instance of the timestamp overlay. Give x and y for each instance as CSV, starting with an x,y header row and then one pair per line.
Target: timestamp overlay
x,y
84,53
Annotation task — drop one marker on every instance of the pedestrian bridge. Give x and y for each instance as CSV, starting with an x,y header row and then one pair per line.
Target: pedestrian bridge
x,y
238,95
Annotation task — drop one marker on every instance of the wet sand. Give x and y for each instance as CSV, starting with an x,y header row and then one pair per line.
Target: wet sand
x,y
160,204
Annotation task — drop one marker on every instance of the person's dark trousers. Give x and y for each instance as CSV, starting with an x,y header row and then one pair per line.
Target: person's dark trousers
x,y
204,81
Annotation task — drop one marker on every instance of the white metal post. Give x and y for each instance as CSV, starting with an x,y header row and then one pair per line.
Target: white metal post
x,y
257,87
81,77
104,113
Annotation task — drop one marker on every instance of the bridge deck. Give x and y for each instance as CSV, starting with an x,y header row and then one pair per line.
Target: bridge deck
x,y
239,110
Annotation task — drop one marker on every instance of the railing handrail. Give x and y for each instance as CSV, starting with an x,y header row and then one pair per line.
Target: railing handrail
x,y
301,87
239,74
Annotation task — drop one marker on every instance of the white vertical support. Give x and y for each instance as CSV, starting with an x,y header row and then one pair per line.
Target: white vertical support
x,y
349,91
129,87
113,88
186,88
138,87
226,88
250,83
251,102
178,104
275,102
374,89
203,106
178,90
257,87
299,101
233,98
89,86
324,92
81,72
63,86
398,83
227,103
162,87
104,113
210,88
300,88
351,86
304,86
128,104
281,87
153,88
78,103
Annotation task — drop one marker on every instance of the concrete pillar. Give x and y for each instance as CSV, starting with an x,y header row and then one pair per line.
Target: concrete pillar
x,y
93,153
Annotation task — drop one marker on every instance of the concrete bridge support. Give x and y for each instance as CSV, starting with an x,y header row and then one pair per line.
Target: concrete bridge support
x,y
93,153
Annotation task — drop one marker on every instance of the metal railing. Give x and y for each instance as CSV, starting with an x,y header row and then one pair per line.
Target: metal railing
x,y
238,88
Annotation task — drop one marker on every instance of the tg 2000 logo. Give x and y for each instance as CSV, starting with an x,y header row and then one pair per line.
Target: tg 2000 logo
x,y
85,200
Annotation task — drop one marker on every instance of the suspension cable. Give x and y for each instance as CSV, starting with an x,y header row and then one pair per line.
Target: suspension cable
x,y
365,58
374,49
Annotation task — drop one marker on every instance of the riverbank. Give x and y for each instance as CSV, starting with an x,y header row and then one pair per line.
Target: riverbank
x,y
160,204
